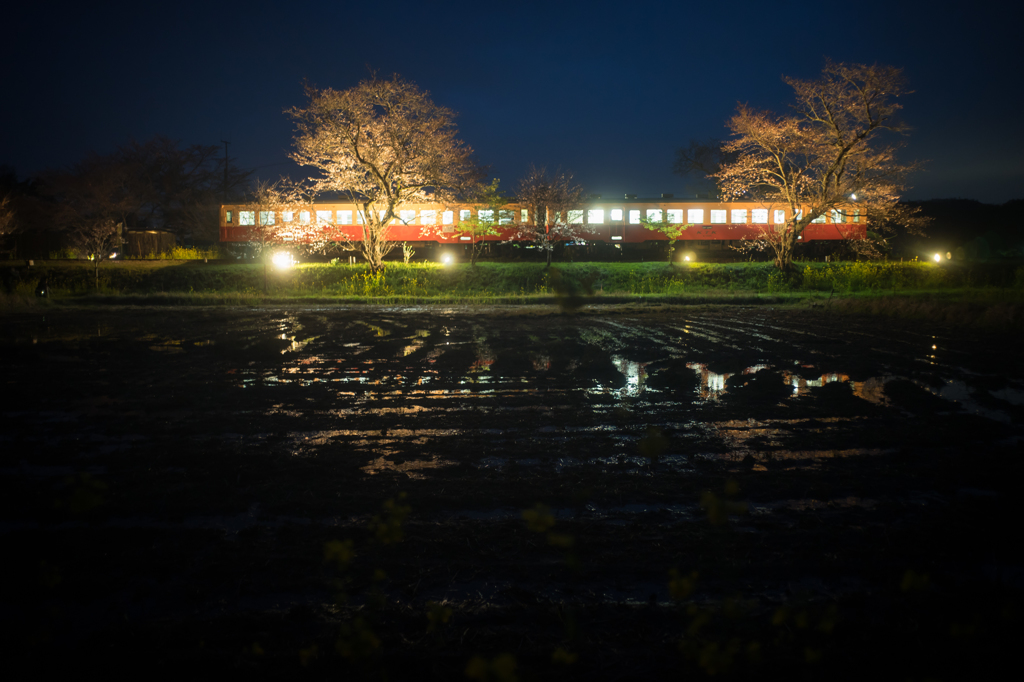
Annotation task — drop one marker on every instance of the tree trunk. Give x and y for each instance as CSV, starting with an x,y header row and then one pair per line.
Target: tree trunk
x,y
784,252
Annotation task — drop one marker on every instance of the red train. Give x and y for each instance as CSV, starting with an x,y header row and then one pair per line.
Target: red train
x,y
603,220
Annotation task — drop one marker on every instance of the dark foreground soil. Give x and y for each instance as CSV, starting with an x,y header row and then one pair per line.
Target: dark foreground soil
x,y
383,493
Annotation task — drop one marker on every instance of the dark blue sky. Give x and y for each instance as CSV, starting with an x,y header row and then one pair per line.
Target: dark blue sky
x,y
606,89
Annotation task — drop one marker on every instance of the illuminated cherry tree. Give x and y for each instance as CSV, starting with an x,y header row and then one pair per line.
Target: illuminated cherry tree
x,y
555,203
384,144
832,153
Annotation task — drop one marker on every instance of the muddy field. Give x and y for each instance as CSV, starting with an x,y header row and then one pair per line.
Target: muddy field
x,y
434,493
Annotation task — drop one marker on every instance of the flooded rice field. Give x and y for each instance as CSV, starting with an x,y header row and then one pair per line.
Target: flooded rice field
x,y
388,493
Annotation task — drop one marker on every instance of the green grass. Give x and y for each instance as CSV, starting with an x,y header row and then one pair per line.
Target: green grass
x,y
863,287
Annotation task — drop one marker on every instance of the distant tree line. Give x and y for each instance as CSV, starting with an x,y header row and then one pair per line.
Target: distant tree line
x,y
157,184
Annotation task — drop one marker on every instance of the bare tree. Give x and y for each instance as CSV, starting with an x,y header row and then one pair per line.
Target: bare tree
x,y
92,202
556,203
383,143
179,189
700,160
828,152
7,222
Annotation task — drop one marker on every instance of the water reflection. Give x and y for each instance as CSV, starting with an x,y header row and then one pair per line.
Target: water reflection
x,y
635,375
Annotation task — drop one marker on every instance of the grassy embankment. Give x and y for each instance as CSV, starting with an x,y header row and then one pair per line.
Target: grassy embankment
x,y
989,294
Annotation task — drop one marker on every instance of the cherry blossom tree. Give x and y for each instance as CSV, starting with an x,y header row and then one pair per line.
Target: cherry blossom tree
x,y
836,151
384,144
555,203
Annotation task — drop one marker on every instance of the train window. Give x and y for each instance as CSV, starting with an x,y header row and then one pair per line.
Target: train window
x,y
485,214
675,215
286,216
304,217
856,215
505,217
819,219
448,217
739,216
797,215
780,216
595,216
228,218
344,217
695,215
759,216
428,217
266,217
407,217
465,214
654,214
616,214
838,216
718,216
524,216
575,217
247,217
634,217
325,216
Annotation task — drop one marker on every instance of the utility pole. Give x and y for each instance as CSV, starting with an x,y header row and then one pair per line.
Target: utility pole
x,y
225,170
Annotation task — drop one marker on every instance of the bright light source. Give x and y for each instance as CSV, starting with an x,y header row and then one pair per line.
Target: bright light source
x,y
282,260
686,258
938,257
854,197
446,259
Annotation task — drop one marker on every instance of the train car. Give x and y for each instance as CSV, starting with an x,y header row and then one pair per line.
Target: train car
x,y
602,220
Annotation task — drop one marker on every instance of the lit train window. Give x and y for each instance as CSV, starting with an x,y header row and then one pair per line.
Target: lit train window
x,y
247,217
407,217
675,215
505,217
485,214
465,214
448,217
838,216
718,216
780,216
595,216
266,217
228,219
524,215
344,217
304,217
856,215
286,216
575,217
695,215
819,219
428,217
325,216
759,216
616,214
634,217
739,216
654,214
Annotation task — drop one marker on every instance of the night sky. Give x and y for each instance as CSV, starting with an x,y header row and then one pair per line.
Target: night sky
x,y
606,89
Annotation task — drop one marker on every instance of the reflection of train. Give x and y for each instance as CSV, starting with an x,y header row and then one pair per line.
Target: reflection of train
x,y
603,220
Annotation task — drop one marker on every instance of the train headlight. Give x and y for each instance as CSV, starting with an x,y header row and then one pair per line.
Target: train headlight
x,y
282,260
446,259
938,257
